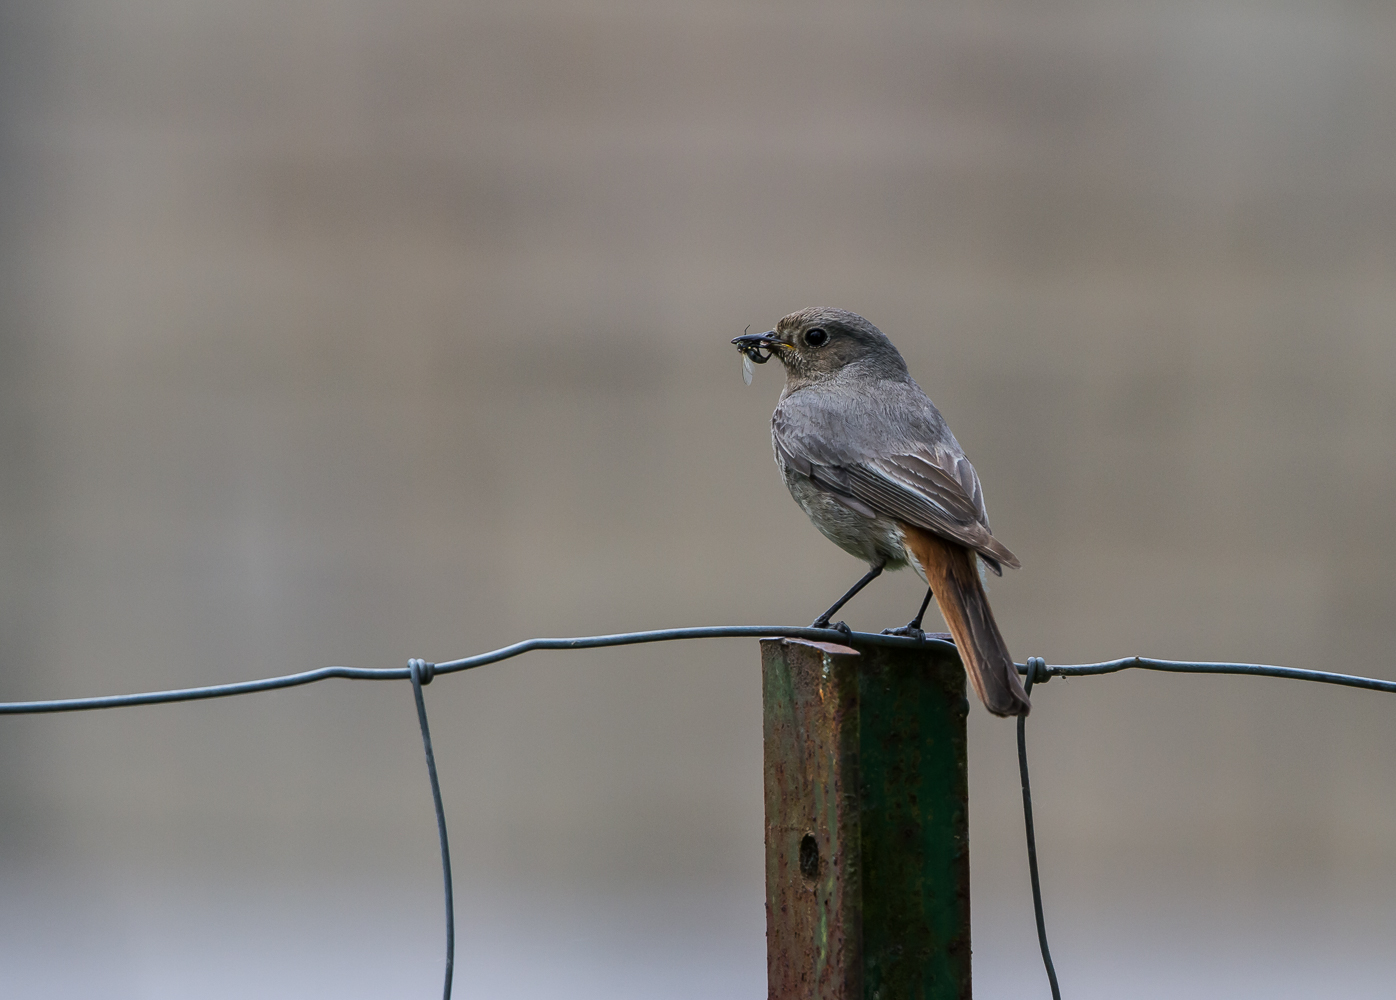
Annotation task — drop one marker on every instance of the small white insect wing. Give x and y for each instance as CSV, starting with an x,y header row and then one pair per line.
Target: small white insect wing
x,y
746,368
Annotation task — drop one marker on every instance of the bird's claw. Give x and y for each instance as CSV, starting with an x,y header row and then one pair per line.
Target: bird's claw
x,y
910,631
836,626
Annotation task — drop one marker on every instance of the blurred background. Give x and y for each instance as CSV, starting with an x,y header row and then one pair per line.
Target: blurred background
x,y
348,332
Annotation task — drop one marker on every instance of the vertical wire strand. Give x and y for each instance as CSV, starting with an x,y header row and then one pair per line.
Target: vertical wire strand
x,y
1034,664
422,673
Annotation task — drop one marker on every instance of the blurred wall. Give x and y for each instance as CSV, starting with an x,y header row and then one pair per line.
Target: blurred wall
x,y
343,333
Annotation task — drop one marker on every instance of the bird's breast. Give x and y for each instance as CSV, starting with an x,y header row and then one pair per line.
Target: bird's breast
x,y
871,539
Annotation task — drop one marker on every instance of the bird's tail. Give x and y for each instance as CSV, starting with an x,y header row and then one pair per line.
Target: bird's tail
x,y
954,579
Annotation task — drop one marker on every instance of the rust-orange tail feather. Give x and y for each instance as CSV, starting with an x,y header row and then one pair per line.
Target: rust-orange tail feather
x,y
954,579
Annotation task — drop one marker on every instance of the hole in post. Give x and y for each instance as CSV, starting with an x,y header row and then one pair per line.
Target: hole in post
x,y
809,856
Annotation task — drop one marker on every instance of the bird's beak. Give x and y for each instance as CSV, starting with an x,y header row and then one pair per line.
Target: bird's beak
x,y
751,341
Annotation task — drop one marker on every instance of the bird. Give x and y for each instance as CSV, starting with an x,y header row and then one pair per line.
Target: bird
x,y
866,454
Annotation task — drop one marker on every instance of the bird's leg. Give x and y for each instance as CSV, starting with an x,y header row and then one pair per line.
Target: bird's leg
x,y
823,620
913,627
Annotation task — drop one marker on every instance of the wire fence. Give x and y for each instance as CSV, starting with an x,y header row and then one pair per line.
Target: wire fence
x,y
421,673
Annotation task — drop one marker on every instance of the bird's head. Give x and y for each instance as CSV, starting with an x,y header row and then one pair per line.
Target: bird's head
x,y
816,344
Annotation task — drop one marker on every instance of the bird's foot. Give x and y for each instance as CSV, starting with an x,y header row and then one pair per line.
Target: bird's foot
x,y
910,631
836,626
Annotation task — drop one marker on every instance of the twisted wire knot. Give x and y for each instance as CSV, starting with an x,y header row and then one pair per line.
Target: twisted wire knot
x,y
422,671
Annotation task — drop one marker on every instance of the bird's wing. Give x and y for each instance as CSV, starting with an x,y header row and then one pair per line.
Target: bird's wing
x,y
931,485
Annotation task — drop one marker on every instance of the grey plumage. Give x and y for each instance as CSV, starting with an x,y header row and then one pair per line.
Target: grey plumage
x,y
879,445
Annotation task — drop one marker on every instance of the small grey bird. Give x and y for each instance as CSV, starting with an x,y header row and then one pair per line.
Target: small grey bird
x,y
869,458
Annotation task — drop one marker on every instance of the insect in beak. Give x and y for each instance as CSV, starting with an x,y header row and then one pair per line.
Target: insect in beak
x,y
756,348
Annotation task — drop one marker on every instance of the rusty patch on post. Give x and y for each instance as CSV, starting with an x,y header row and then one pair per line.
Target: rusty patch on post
x,y
811,739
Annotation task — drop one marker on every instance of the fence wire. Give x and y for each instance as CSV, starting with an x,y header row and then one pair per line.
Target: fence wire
x,y
421,673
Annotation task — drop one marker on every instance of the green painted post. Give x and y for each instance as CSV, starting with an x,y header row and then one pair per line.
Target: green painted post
x,y
867,839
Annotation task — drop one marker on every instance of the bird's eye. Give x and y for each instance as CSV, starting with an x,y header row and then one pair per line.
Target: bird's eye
x,y
817,337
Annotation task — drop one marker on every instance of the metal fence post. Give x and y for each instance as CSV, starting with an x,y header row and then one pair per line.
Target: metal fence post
x,y
867,839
